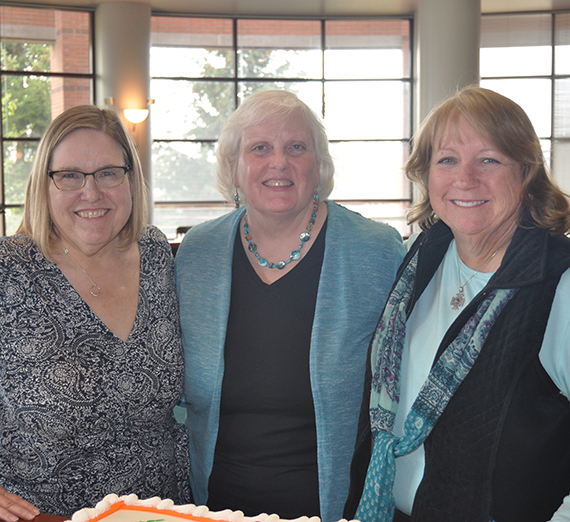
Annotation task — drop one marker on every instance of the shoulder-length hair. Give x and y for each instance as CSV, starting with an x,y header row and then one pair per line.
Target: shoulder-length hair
x,y
260,107
37,222
504,124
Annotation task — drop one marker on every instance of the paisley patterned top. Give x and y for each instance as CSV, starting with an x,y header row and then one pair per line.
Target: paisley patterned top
x,y
82,413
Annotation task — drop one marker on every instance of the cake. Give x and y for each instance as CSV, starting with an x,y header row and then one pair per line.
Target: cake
x,y
130,508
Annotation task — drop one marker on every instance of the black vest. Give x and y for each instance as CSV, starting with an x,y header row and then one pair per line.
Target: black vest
x,y
500,450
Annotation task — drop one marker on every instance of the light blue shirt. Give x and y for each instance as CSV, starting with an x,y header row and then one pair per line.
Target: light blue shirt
x,y
428,323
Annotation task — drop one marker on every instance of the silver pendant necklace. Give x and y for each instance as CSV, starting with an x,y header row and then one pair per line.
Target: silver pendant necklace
x,y
95,289
458,300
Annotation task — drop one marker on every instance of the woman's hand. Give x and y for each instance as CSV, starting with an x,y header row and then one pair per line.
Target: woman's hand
x,y
13,507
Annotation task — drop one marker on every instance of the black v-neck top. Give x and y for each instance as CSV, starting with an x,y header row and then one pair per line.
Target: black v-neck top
x,y
266,452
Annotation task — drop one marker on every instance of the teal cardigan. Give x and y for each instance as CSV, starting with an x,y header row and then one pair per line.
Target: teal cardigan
x,y
360,262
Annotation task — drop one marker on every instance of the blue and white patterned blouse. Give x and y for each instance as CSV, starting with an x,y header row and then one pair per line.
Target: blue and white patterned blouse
x,y
83,413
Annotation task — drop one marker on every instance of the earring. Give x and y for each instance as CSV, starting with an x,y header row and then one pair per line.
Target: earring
x,y
236,199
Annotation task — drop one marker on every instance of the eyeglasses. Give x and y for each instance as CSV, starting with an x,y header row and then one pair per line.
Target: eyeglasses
x,y
70,180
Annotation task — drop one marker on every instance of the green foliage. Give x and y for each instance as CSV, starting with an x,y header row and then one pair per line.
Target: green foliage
x,y
217,102
26,98
184,172
26,110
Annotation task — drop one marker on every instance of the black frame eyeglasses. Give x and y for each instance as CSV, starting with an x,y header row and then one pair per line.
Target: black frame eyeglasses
x,y
72,180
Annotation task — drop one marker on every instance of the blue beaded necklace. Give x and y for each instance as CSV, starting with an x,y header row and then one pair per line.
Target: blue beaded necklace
x,y
295,255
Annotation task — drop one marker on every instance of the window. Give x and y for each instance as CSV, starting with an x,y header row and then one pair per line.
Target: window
x,y
45,68
354,73
527,58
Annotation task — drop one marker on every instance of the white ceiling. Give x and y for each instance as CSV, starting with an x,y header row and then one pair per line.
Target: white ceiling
x,y
309,7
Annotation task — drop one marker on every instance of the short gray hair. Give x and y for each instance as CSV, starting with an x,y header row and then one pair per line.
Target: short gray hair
x,y
260,107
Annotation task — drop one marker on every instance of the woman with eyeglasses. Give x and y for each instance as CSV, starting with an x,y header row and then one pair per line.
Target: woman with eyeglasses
x,y
91,362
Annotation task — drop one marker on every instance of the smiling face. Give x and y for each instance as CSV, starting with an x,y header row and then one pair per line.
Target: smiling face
x,y
276,169
473,187
91,218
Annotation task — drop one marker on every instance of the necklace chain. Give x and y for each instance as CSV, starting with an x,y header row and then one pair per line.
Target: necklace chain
x,y
458,300
295,255
95,289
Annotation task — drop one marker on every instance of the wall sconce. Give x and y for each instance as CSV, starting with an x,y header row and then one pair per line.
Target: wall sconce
x,y
133,116
136,115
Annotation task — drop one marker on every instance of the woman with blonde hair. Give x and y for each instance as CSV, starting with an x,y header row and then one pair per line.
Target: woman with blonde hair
x,y
467,406
91,360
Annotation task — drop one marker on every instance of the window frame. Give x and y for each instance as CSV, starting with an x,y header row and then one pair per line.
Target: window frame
x,y
4,206
553,77
406,79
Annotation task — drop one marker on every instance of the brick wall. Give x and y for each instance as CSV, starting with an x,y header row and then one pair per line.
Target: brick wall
x,y
69,35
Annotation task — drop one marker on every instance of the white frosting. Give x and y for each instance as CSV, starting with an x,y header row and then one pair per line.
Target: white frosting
x,y
86,514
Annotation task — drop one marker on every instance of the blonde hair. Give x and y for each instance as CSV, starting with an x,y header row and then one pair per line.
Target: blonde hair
x,y
504,124
37,222
257,108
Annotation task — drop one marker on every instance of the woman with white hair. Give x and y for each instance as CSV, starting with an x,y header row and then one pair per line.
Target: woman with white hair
x,y
278,302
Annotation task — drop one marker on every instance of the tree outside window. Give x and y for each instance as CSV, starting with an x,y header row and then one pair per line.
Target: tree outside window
x,y
354,73
45,68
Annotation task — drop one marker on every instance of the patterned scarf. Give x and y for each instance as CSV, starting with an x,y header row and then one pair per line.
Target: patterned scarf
x,y
377,503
